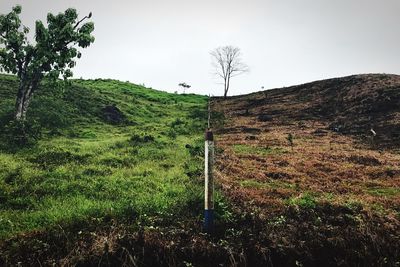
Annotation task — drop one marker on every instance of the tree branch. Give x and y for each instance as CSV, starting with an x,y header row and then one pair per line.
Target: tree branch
x,y
85,17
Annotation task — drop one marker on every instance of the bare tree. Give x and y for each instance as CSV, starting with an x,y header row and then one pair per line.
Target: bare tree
x,y
227,63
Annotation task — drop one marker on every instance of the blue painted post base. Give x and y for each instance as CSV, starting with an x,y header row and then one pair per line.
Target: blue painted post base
x,y
208,221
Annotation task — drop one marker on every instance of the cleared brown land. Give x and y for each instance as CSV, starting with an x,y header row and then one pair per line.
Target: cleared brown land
x,y
336,193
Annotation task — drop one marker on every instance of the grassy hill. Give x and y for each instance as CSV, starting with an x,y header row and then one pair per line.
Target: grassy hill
x,y
115,176
108,150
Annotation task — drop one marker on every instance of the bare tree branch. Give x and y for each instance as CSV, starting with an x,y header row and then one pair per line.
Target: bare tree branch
x,y
227,63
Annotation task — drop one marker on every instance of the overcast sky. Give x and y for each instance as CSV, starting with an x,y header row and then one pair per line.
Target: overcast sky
x,y
162,43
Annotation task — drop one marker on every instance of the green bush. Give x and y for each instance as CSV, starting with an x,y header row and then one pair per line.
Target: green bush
x,y
137,139
51,113
17,134
306,200
53,158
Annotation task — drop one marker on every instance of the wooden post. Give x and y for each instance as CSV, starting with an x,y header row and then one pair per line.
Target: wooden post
x,y
209,182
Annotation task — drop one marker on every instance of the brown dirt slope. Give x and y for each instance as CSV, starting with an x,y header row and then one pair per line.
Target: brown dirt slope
x,y
330,194
353,104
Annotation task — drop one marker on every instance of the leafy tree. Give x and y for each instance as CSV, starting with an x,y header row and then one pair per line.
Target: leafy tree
x,y
52,54
227,63
184,86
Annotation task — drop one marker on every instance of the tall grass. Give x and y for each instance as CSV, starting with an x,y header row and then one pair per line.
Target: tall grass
x,y
84,168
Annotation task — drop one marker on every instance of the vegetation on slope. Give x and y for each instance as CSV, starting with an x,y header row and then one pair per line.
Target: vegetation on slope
x,y
107,149
115,179
323,190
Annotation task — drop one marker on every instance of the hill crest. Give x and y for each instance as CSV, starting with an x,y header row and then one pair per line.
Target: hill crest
x,y
351,105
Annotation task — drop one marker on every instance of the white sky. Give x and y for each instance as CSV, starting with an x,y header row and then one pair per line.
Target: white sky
x,y
162,43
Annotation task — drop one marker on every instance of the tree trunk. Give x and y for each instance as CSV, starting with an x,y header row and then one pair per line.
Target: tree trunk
x,y
226,87
19,116
24,96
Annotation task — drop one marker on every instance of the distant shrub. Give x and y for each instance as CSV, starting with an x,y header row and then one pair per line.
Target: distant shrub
x,y
195,151
97,171
117,162
153,154
177,122
20,203
18,134
51,113
289,138
6,116
49,159
179,127
11,177
87,134
137,139
172,133
198,113
306,200
193,168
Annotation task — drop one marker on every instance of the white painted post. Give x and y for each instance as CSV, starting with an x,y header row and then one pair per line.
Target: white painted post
x,y
209,182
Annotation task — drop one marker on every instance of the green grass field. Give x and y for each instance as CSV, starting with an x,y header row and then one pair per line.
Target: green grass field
x,y
86,167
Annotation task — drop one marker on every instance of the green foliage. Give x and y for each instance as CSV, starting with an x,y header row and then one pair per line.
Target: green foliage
x,y
248,149
252,184
55,157
51,113
137,139
89,170
277,221
17,134
196,151
384,191
194,167
223,209
54,51
53,54
306,200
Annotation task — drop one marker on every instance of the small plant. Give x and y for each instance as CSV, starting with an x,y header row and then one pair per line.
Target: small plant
x,y
290,140
306,200
279,220
195,151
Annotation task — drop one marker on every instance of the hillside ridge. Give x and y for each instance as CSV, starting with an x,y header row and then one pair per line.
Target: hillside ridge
x,y
302,161
351,105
